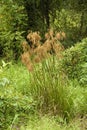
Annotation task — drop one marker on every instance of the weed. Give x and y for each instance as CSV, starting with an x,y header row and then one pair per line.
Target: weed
x,y
36,51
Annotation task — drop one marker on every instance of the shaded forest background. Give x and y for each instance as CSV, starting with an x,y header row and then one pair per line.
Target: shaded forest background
x,y
17,18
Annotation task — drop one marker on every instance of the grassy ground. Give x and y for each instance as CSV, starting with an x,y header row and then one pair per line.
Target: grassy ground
x,y
40,100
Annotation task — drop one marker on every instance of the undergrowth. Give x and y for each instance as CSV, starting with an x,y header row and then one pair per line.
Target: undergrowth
x,y
43,90
50,123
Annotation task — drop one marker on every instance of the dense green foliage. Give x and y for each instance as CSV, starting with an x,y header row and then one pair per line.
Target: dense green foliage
x,y
75,62
14,102
52,93
13,22
26,96
17,17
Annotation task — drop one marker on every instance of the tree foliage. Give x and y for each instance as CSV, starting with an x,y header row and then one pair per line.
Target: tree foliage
x,y
69,16
12,21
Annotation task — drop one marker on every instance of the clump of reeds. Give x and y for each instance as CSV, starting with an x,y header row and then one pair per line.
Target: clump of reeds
x,y
36,51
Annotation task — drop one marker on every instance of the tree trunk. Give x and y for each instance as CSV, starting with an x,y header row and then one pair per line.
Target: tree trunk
x,y
44,6
47,14
81,23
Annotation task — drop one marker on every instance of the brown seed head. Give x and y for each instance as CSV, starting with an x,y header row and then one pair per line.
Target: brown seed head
x,y
58,36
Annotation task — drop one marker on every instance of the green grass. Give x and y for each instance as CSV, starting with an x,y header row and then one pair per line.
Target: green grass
x,y
55,93
17,75
47,123
25,97
14,85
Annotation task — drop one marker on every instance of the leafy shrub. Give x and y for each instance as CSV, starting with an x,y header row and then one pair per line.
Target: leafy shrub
x,y
12,21
74,62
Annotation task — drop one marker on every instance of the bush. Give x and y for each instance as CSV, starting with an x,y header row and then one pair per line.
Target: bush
x,y
74,62
12,21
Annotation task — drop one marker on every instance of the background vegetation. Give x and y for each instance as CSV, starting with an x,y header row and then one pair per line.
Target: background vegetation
x,y
16,18
43,65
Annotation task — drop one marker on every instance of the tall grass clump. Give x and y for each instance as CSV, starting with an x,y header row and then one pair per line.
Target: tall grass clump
x,y
34,51
55,93
50,88
50,85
